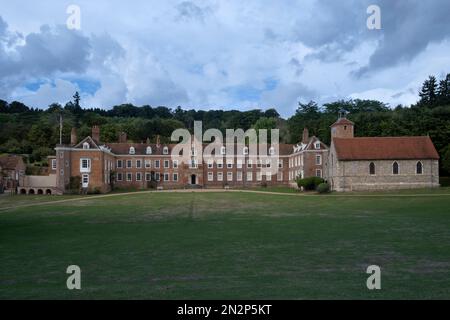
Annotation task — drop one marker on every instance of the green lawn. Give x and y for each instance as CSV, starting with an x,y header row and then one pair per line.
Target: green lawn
x,y
226,245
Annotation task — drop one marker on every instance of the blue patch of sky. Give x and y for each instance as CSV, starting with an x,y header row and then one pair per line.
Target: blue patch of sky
x,y
251,93
88,86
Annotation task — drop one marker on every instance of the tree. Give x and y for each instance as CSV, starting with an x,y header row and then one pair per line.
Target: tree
x,y
428,94
310,109
444,91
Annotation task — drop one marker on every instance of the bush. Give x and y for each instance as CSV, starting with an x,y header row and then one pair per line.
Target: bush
x,y
310,183
323,188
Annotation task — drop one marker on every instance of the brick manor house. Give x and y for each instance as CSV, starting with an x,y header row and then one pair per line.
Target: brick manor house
x,y
349,164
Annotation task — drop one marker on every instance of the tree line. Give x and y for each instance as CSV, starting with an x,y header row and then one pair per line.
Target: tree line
x,y
34,132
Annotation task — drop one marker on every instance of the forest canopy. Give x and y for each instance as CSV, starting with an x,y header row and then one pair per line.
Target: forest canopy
x,y
34,132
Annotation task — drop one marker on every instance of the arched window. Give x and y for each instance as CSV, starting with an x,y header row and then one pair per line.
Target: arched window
x,y
86,146
165,150
245,151
395,168
149,150
419,168
132,150
372,168
223,150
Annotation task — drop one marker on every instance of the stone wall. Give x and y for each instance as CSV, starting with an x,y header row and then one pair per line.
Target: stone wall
x,y
355,176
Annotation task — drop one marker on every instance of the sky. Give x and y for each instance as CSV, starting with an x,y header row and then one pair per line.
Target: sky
x,y
220,54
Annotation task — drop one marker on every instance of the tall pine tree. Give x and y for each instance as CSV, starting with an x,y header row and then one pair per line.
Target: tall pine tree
x,y
428,94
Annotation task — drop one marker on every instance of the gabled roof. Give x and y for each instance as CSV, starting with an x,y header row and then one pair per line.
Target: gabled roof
x,y
89,140
385,148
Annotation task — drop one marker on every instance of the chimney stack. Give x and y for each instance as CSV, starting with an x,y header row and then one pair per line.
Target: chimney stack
x,y
148,141
305,137
73,137
96,133
158,141
123,137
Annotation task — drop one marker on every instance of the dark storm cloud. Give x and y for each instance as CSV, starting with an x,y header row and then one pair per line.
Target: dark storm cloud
x,y
41,55
408,27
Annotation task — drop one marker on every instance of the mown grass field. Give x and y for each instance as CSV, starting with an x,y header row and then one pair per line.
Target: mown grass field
x,y
226,245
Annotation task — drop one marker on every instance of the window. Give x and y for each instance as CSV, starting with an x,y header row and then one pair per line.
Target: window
x,y
119,163
132,150
395,168
229,176
319,173
220,164
245,151
223,150
175,177
119,176
61,172
138,164
53,164
318,159
239,176
280,176
258,176
272,151
166,164
129,176
157,176
193,164
249,176
148,163
85,180
259,163
317,145
249,164
219,176
268,163
175,164
165,150
230,164
148,176
166,177
138,176
157,164
372,168
239,164
86,146
268,176
210,176
419,168
129,164
280,163
85,165
149,150
210,164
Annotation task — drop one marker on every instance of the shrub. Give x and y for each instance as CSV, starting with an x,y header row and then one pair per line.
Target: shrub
x,y
310,183
264,185
323,188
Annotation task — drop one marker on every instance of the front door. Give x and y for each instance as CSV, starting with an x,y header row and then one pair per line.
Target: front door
x,y
85,181
193,179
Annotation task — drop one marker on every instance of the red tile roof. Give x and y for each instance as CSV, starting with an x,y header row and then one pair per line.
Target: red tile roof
x,y
342,121
385,148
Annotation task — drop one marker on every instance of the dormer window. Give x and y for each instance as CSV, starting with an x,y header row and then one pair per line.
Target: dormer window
x,y
272,151
245,151
86,146
149,150
223,150
165,150
132,150
317,145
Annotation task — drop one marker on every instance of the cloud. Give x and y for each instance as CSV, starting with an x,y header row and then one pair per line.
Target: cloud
x,y
223,54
